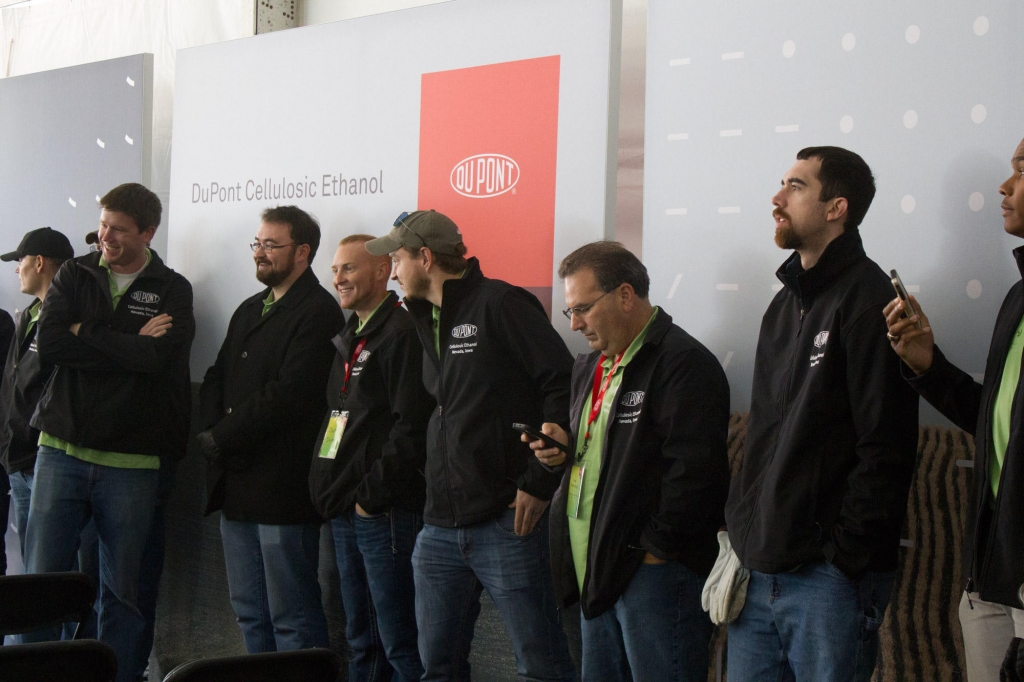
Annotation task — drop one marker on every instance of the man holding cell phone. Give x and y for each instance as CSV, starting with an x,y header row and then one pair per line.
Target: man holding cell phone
x,y
993,554
650,417
816,510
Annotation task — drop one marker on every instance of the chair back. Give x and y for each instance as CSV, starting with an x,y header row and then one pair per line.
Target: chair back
x,y
84,660
307,665
33,602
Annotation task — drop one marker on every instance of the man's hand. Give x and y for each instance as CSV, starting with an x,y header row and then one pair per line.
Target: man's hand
x,y
916,347
360,510
651,559
156,326
75,327
552,457
208,446
529,509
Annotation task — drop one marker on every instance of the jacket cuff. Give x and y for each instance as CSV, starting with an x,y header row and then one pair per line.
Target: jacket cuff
x,y
935,377
648,545
850,566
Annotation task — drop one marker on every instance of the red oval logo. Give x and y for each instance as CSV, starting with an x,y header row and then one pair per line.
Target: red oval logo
x,y
484,175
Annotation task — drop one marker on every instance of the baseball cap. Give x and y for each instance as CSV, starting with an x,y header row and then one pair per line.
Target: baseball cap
x,y
431,229
45,242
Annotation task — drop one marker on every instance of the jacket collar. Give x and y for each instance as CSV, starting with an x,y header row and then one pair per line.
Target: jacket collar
x,y
306,282
452,290
655,333
1018,255
840,254
156,268
344,338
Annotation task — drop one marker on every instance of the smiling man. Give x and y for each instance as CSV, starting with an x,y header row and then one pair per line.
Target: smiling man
x,y
118,326
650,416
993,412
367,474
816,510
261,404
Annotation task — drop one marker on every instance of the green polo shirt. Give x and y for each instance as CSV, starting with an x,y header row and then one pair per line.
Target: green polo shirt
x,y
362,323
1002,407
33,313
579,528
267,302
119,460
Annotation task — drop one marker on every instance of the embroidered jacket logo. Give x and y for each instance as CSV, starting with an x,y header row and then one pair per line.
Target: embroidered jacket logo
x,y
632,399
464,331
821,339
144,297
364,356
484,175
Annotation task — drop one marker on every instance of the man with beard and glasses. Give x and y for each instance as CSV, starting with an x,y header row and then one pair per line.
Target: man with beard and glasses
x,y
815,512
261,404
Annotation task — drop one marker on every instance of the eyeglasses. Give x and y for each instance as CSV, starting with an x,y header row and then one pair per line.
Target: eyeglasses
x,y
268,248
581,310
400,222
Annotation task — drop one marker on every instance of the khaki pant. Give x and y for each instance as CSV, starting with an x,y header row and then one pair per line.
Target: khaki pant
x,y
988,629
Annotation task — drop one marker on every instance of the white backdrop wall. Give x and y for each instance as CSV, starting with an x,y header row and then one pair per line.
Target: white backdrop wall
x,y
929,93
58,33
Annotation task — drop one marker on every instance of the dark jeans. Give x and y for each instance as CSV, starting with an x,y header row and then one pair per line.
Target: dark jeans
x,y
453,565
808,625
374,556
656,631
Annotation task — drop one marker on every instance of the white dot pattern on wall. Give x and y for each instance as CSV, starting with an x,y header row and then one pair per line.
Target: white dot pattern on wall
x,y
846,124
849,41
675,285
976,201
908,203
974,288
978,113
788,49
787,129
679,62
910,119
981,26
675,211
913,34
679,136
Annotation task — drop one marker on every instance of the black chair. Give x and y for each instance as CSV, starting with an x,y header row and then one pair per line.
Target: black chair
x,y
33,602
307,665
84,660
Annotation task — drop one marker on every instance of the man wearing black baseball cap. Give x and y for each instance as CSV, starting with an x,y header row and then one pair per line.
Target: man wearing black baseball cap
x,y
491,359
39,256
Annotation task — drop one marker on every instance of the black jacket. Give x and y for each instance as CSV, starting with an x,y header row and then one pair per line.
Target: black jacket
x,y
380,459
501,362
24,378
993,548
832,433
264,398
664,469
113,389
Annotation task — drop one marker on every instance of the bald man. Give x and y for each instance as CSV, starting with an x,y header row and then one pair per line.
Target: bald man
x,y
367,472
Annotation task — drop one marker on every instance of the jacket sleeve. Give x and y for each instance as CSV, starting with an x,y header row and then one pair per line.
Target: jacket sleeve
x,y
950,390
404,455
691,412
211,393
55,343
542,355
884,410
306,363
134,352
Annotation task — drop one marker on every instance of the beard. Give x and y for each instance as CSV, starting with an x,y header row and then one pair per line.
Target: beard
x,y
785,237
416,285
277,273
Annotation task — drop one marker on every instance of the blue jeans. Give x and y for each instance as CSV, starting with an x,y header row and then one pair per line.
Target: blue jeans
x,y
811,624
21,496
272,582
453,565
66,493
656,631
374,556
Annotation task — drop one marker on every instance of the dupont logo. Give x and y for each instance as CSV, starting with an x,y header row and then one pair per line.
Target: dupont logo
x,y
485,175
364,356
144,297
632,399
464,331
821,339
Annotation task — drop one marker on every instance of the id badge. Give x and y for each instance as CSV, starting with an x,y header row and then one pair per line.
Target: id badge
x,y
575,490
332,437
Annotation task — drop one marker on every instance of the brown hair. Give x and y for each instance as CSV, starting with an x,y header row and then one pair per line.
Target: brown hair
x,y
452,264
303,228
135,201
612,264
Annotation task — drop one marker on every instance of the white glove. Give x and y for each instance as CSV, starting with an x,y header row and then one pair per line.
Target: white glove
x,y
725,592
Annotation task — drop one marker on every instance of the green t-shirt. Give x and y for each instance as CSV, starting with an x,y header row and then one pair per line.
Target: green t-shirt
x,y
119,460
579,527
33,318
267,302
1002,407
362,323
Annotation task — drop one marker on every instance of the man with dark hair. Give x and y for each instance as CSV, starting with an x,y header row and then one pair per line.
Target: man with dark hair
x,y
261,405
993,412
39,255
491,359
650,414
816,510
118,325
367,469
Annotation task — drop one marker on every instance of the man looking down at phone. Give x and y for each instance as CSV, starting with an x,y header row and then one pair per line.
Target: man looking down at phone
x,y
634,523
815,512
993,553
491,359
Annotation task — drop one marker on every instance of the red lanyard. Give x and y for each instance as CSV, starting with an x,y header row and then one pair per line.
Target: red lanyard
x,y
597,396
349,365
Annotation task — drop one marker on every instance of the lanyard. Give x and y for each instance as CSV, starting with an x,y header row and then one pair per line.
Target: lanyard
x,y
597,398
349,365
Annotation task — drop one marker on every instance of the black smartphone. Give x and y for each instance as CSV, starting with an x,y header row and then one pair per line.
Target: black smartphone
x,y
901,291
535,434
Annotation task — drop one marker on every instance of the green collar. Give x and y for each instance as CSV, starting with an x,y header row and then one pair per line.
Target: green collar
x,y
362,323
634,346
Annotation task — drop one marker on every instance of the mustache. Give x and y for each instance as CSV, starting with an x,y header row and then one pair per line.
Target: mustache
x,y
777,213
261,261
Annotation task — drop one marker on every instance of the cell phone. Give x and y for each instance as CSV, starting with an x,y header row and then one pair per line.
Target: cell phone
x,y
901,291
535,434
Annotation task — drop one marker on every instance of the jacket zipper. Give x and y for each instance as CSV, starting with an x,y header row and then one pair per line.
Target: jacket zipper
x,y
444,439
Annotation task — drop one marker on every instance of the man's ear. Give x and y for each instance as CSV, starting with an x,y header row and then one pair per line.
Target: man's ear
x,y
837,209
